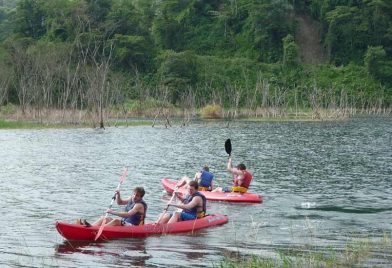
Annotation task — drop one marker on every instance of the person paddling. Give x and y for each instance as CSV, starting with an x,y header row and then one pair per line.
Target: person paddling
x,y
193,207
134,212
241,179
203,177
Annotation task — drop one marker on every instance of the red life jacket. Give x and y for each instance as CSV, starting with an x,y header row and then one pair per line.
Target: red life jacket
x,y
246,179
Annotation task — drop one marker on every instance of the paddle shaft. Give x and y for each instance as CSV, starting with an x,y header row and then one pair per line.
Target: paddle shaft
x,y
122,178
167,207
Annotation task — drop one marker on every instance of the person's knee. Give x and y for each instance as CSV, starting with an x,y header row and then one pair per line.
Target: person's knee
x,y
175,215
105,220
164,217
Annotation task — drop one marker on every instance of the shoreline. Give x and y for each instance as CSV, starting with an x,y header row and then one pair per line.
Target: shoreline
x,y
84,119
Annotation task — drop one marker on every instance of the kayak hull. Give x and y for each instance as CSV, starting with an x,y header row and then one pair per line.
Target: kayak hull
x,y
169,185
79,232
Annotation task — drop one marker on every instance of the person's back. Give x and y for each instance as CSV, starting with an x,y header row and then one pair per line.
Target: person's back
x,y
205,180
247,179
242,179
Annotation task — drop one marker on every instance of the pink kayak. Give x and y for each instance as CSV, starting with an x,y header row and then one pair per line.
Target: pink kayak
x,y
169,185
80,232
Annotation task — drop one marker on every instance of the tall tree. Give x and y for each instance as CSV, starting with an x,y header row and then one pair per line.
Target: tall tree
x,y
29,19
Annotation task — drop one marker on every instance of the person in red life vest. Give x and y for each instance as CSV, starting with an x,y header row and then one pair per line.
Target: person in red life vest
x,y
203,177
241,179
193,207
133,214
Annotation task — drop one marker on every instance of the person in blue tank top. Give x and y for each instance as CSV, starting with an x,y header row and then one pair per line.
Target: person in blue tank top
x,y
203,177
133,214
193,206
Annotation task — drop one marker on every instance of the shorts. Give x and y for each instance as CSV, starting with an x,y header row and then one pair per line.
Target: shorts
x,y
185,216
226,189
125,223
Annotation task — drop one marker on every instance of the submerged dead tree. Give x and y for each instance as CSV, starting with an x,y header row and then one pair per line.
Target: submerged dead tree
x,y
97,56
188,104
163,110
5,79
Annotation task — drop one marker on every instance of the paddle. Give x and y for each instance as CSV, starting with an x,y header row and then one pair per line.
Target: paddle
x,y
122,178
228,147
167,207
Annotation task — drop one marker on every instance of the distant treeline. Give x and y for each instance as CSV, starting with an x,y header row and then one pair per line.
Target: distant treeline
x,y
99,54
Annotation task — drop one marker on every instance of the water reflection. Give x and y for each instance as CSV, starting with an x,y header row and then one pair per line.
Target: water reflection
x,y
133,253
69,247
183,250
126,252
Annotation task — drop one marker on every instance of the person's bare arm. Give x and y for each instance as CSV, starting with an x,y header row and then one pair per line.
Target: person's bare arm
x,y
138,208
121,201
229,166
195,201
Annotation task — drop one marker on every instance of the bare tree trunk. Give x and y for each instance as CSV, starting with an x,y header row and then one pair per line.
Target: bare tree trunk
x,y
163,96
22,65
314,101
5,79
188,106
96,76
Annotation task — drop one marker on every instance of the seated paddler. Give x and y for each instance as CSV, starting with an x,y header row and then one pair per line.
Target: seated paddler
x,y
191,208
241,178
134,212
204,178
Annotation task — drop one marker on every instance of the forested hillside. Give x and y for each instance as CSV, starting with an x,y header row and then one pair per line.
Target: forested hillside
x,y
249,55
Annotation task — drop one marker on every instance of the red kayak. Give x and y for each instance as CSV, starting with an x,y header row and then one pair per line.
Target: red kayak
x,y
169,185
80,232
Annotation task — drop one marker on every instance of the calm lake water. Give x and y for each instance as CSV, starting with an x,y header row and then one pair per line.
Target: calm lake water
x,y
324,183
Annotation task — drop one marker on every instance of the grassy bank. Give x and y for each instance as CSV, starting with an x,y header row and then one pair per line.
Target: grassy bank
x,y
356,253
145,113
7,124
22,124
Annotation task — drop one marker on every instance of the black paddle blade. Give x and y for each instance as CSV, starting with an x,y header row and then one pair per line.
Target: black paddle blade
x,y
228,146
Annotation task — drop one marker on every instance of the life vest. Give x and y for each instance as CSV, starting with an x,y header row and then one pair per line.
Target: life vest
x,y
138,218
194,211
246,179
206,179
204,188
239,189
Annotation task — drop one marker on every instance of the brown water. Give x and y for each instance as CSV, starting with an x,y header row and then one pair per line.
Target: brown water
x,y
322,183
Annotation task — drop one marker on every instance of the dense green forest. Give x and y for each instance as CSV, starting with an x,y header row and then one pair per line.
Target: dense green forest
x,y
103,56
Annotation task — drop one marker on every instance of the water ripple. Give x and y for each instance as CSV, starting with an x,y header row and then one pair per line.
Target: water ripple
x,y
321,181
